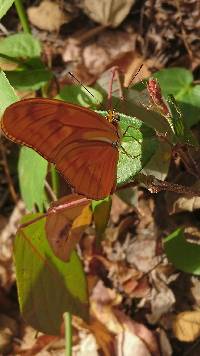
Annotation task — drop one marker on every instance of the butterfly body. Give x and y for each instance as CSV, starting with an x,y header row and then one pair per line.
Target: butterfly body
x,y
82,144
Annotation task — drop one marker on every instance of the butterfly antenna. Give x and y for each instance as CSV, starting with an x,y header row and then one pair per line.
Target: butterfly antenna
x,y
78,81
135,75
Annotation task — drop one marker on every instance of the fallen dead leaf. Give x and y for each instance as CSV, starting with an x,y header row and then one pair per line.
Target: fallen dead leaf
x,y
129,344
162,298
165,346
108,47
47,16
72,51
139,330
107,12
186,326
65,226
195,290
118,208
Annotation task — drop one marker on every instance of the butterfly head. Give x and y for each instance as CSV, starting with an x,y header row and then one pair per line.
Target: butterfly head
x,y
113,117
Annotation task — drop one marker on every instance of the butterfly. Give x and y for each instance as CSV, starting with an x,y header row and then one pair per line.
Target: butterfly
x,y
83,145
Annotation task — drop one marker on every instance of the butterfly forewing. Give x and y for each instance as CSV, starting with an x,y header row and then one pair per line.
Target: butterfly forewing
x,y
77,140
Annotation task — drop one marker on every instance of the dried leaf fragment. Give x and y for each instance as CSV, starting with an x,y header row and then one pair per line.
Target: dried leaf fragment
x,y
186,326
65,226
107,12
47,16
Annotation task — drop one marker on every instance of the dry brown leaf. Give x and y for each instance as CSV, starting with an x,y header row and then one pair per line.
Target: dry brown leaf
x,y
162,298
140,331
104,337
129,344
165,346
107,12
65,227
109,46
47,16
186,326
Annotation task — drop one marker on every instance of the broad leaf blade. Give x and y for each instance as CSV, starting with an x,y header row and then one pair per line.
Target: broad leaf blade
x,y
21,45
138,146
78,95
8,95
4,6
183,255
174,81
32,172
101,212
47,287
32,79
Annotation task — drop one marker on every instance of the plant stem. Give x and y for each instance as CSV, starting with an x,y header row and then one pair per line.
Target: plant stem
x,y
22,16
54,180
68,333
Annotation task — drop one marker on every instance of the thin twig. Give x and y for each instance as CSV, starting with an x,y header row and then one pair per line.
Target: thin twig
x,y
50,191
8,176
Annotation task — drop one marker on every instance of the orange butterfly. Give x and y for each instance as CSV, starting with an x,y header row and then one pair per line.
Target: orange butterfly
x,y
82,144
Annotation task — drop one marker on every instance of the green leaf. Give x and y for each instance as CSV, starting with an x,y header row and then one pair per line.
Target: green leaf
x,y
183,255
190,105
32,79
182,134
136,106
138,146
4,6
158,166
101,212
78,95
47,286
174,81
179,83
32,172
21,45
8,95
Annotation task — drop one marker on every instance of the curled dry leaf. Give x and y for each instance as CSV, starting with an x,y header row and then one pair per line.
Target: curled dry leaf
x,y
186,326
47,16
139,330
66,221
107,12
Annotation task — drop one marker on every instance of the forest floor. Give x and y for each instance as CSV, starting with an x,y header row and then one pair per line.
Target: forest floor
x,y
133,287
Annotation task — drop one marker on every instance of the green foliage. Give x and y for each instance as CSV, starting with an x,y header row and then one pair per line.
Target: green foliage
x,y
32,172
4,6
182,134
20,46
179,83
77,94
183,255
8,95
101,212
29,79
138,146
25,50
47,287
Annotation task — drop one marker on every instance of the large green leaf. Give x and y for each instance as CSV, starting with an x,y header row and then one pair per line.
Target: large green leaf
x,y
174,81
179,82
184,255
7,95
29,79
136,105
21,45
4,6
32,172
138,146
47,286
79,95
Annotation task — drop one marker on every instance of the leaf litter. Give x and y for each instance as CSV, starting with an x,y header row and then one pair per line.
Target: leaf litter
x,y
139,302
